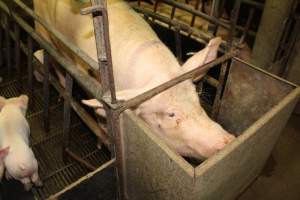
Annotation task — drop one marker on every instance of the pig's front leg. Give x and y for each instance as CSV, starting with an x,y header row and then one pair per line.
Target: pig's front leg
x,y
7,175
36,180
1,171
27,183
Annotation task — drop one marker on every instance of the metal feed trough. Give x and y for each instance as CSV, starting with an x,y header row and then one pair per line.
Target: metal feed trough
x,y
248,102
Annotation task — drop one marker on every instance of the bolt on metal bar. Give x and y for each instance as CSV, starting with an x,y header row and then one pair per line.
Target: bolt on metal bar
x,y
82,55
188,75
46,93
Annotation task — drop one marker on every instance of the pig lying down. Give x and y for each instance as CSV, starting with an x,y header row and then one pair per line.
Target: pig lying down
x,y
16,156
141,62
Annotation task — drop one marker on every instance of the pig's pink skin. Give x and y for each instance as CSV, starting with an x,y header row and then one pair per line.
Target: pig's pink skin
x,y
20,162
141,61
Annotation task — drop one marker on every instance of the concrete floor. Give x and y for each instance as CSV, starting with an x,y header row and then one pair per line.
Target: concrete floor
x,y
280,179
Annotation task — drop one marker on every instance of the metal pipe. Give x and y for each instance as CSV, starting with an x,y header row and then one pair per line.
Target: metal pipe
x,y
80,160
7,45
188,75
30,69
46,94
17,56
67,110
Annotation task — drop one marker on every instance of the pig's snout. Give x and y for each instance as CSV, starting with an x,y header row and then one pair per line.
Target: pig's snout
x,y
227,139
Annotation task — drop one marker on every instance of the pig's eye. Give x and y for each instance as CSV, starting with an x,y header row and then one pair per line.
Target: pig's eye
x,y
171,114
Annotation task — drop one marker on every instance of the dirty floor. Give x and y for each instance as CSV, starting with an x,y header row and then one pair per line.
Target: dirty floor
x,y
280,179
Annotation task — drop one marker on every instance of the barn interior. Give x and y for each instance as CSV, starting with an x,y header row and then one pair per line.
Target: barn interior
x,y
64,135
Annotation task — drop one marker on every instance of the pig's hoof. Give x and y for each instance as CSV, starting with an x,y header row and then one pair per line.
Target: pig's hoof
x,y
39,77
99,146
39,183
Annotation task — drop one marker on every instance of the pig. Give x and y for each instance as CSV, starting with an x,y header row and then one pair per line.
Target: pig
x,y
141,62
19,162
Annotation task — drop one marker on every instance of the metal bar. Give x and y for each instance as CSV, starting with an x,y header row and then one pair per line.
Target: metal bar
x,y
178,45
188,75
247,26
80,160
233,21
196,8
67,110
82,55
254,4
1,40
30,69
217,99
103,49
7,45
17,56
46,94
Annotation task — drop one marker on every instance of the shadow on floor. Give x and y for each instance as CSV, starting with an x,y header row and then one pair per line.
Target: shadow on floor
x,y
280,179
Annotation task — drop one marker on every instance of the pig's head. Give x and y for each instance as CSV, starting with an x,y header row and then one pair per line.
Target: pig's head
x,y
176,114
21,102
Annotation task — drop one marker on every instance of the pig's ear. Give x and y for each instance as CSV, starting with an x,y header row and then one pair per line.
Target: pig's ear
x,y
2,102
23,99
121,95
206,55
94,103
3,153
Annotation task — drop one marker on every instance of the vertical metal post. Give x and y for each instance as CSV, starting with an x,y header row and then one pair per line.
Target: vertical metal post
x,y
17,56
1,39
46,90
101,28
196,8
67,110
7,44
224,68
178,45
30,69
214,13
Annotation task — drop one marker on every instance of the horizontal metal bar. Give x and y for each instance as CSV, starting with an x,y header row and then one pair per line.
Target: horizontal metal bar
x,y
87,82
254,4
81,54
80,160
188,75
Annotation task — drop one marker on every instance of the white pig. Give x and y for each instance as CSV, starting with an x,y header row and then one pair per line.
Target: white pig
x,y
141,61
20,162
